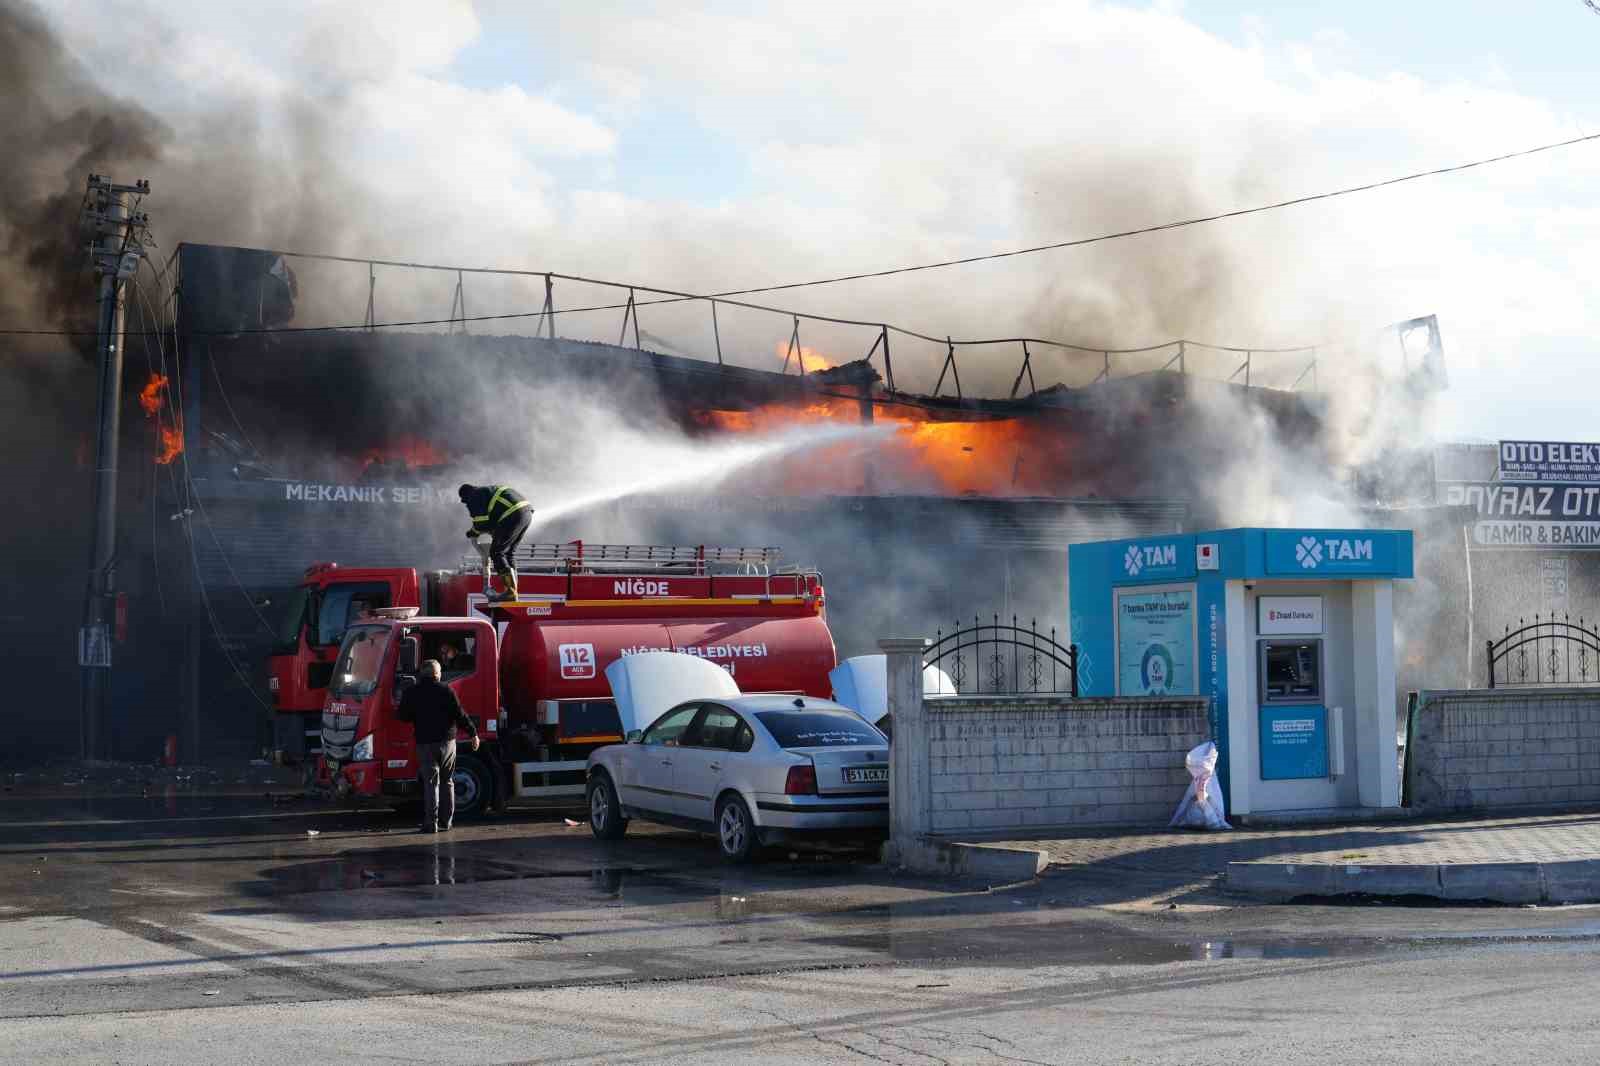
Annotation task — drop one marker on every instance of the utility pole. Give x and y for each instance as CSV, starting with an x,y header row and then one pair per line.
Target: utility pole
x,y
117,234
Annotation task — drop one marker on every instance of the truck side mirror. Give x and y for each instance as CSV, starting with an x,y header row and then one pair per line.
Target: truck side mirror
x,y
410,656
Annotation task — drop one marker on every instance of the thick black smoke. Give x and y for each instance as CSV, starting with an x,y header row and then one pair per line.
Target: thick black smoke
x,y
56,128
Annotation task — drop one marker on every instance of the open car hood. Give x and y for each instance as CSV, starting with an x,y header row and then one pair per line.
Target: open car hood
x,y
862,684
649,684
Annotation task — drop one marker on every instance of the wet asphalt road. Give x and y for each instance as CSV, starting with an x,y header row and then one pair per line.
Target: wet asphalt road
x,y
202,928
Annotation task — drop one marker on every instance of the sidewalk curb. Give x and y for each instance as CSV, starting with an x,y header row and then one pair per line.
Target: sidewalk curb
x,y
1576,881
994,862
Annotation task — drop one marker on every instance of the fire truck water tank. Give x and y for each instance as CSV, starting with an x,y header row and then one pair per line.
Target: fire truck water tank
x,y
560,660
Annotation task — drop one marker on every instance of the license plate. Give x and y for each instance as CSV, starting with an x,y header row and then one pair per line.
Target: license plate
x,y
866,775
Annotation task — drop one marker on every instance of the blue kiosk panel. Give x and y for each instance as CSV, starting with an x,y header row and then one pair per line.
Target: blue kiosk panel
x,y
1294,742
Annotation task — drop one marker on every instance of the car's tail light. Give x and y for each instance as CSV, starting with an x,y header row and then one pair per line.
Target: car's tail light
x,y
802,781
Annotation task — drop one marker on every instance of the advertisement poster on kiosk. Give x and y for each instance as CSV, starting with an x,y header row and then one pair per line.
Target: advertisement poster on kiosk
x,y
1155,642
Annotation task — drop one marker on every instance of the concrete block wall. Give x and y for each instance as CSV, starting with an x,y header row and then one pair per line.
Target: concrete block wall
x,y
1499,748
999,763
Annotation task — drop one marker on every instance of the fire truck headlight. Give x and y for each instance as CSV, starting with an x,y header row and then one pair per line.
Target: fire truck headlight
x,y
362,752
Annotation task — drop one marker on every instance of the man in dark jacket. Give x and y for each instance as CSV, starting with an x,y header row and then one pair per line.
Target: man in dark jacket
x,y
435,714
503,513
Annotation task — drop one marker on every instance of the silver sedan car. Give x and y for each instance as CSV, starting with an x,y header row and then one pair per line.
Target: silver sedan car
x,y
753,770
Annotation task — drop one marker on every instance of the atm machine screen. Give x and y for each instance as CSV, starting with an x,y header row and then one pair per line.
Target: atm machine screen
x,y
1291,671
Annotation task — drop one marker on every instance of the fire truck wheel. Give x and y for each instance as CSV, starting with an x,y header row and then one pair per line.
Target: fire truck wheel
x,y
605,810
736,832
474,787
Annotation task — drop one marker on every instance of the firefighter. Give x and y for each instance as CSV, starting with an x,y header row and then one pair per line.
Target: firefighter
x,y
503,513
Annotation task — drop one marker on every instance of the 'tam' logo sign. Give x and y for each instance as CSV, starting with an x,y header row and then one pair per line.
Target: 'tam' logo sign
x,y
1138,557
1308,552
1311,551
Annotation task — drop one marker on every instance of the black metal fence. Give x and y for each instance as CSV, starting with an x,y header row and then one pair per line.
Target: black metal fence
x,y
1546,651
996,658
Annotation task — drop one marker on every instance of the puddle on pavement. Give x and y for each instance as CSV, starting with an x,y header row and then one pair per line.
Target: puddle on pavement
x,y
410,867
734,893
1067,944
155,806
740,904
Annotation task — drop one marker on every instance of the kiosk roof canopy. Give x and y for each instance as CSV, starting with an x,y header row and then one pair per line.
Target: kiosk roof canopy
x,y
1250,554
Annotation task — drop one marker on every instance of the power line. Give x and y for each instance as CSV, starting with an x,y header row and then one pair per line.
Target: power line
x,y
941,264
1080,242
673,296
1033,249
173,403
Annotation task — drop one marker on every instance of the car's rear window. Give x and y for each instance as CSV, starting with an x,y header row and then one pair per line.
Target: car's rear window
x,y
818,729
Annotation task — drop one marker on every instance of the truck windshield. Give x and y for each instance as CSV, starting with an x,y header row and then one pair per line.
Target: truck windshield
x,y
341,604
286,638
360,660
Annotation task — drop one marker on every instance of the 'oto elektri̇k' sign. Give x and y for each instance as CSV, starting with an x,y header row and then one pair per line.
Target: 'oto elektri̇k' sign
x,y
1549,460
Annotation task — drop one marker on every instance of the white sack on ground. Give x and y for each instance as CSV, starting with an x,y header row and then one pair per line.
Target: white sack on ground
x,y
1202,803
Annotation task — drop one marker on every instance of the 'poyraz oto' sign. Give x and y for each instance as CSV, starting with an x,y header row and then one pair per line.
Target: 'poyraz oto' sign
x,y
1549,461
1512,515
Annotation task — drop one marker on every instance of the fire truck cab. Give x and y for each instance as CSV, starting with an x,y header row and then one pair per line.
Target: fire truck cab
x,y
531,672
327,600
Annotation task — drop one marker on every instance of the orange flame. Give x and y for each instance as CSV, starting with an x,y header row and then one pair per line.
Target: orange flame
x,y
151,397
774,417
986,457
171,445
810,359
411,450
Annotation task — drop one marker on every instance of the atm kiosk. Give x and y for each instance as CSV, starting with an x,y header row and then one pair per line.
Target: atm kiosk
x,y
1288,634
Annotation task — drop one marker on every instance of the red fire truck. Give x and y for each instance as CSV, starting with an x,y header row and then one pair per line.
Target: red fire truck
x,y
531,673
324,604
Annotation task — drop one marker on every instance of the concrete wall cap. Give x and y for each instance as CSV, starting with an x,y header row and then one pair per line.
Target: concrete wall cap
x,y
1062,702
898,645
1507,692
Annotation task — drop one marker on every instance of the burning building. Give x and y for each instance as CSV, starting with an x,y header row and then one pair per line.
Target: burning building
x,y
264,449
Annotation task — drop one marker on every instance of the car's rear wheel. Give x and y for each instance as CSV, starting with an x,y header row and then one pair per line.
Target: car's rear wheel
x,y
605,810
736,831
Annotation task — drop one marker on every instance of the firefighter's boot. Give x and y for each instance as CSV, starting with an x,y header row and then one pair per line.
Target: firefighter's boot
x,y
508,587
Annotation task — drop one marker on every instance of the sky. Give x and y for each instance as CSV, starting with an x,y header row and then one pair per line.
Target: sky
x,y
723,145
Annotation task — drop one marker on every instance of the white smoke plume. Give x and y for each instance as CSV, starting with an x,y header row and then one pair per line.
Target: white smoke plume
x,y
722,146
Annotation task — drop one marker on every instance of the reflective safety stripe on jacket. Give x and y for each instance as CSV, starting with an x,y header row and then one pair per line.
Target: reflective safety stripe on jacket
x,y
505,501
